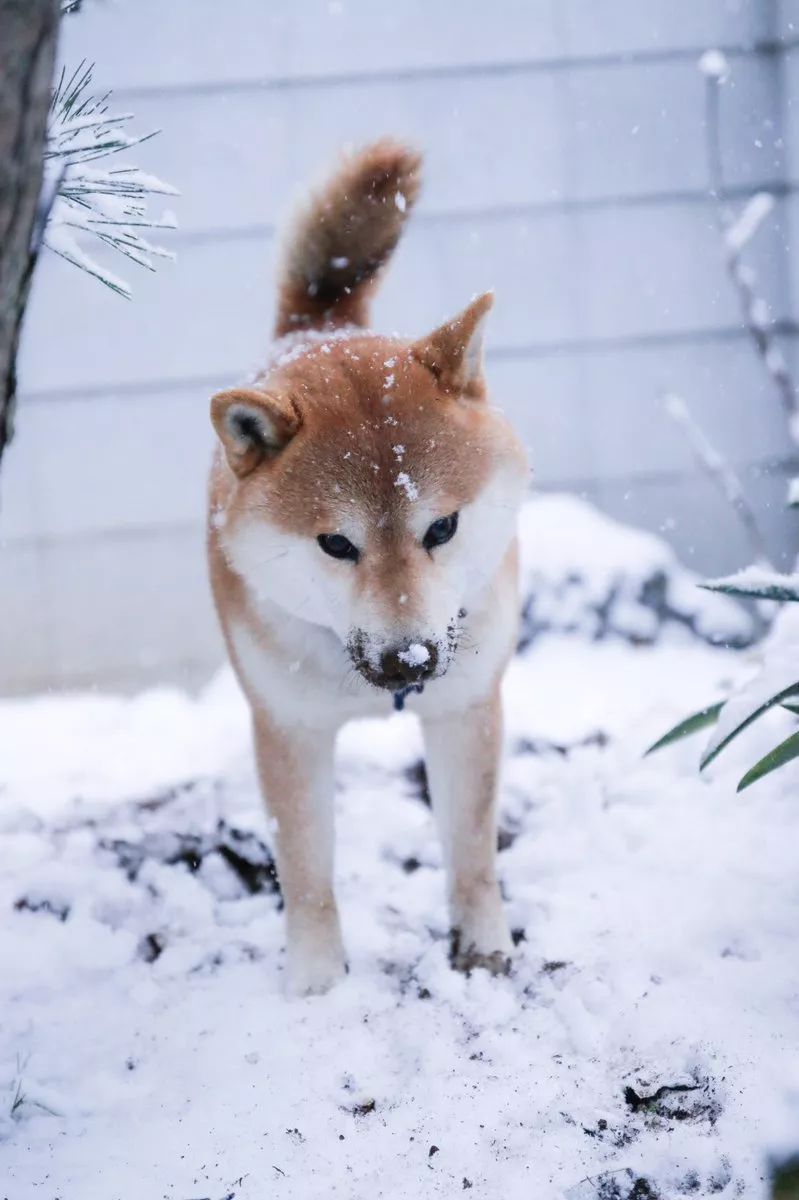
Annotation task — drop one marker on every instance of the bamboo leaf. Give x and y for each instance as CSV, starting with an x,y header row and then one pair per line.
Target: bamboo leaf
x,y
698,720
757,584
749,704
778,757
785,1181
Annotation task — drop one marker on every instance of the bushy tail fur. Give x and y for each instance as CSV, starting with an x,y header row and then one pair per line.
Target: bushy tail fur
x,y
343,237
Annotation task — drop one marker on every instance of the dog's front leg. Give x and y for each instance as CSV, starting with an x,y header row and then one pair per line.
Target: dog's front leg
x,y
463,751
296,773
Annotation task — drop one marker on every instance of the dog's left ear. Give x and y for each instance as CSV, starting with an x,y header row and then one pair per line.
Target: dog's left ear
x,y
454,352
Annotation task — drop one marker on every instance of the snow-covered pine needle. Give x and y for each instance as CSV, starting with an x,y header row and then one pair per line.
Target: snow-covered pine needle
x,y
106,203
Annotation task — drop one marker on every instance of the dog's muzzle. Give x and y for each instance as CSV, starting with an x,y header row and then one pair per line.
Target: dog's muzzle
x,y
407,666
400,668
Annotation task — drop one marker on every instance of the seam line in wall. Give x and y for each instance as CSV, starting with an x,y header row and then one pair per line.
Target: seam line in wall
x,y
534,210
763,48
533,350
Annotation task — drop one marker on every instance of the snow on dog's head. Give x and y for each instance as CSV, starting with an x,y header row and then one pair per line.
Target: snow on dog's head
x,y
372,490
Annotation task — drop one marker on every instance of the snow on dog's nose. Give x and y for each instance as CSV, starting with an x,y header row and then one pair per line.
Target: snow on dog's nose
x,y
407,664
399,667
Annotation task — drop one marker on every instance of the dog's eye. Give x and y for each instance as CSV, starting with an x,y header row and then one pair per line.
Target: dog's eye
x,y
441,531
337,546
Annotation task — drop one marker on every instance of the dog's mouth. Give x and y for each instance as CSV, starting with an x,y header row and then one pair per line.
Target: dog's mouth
x,y
399,689
396,682
402,693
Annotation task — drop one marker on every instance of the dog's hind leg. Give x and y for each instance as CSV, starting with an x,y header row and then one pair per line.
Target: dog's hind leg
x,y
463,751
295,768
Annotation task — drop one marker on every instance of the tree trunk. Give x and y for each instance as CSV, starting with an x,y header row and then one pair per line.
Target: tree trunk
x,y
28,30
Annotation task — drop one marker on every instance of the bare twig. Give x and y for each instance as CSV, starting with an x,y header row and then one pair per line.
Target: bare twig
x,y
736,232
721,472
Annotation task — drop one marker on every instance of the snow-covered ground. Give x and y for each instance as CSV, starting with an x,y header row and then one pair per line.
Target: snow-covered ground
x,y
644,1046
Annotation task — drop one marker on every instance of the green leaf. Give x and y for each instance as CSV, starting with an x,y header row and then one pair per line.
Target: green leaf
x,y
757,585
741,711
792,706
775,758
698,720
785,1181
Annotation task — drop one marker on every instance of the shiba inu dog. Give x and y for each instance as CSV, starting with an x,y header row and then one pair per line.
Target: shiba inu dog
x,y
363,553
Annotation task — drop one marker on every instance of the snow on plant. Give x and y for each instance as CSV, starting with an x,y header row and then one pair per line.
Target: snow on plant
x,y
106,203
776,684
737,231
719,471
758,584
17,1099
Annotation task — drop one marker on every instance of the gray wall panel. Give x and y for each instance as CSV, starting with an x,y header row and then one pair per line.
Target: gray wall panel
x,y
566,168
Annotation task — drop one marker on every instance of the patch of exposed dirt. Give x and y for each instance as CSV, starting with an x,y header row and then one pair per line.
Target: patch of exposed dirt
x,y
249,858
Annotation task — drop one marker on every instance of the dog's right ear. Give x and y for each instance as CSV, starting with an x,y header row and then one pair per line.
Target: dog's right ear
x,y
253,426
454,351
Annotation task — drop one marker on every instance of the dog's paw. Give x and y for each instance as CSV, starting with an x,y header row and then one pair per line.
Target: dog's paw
x,y
466,957
496,963
480,936
314,976
315,959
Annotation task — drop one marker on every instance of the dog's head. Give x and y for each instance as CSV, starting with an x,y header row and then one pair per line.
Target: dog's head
x,y
373,491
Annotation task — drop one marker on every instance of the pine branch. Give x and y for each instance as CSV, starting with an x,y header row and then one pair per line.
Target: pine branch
x,y
108,205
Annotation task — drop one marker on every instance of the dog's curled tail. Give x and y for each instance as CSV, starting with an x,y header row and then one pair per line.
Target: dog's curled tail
x,y
344,235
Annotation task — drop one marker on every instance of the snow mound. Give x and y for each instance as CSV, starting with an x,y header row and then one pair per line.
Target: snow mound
x,y
584,573
644,1045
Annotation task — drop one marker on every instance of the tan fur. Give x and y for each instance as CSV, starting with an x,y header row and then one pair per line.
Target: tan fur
x,y
344,236
373,438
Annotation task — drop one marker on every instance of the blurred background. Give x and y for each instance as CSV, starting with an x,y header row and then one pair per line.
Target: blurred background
x,y
567,167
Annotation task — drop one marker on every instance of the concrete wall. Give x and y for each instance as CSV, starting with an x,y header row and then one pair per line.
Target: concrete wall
x,y
566,168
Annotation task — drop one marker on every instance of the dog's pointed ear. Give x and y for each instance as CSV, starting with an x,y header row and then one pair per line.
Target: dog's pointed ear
x,y
253,425
454,351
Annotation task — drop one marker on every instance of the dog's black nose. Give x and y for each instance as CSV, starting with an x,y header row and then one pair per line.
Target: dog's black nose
x,y
408,664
